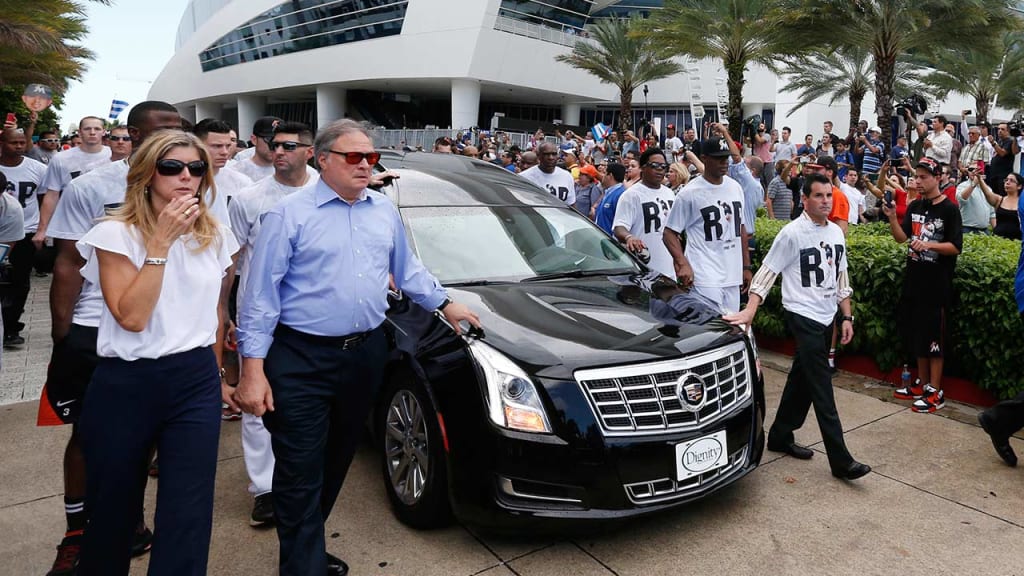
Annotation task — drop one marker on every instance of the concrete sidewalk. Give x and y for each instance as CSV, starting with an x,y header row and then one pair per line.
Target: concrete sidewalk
x,y
938,502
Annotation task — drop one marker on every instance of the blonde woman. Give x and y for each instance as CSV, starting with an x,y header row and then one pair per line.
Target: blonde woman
x,y
678,176
161,261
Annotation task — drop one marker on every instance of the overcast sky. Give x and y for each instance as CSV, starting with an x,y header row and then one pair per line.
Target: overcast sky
x,y
132,40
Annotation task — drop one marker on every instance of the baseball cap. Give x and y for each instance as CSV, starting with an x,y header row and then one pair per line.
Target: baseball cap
x,y
875,129
715,147
934,168
264,127
589,170
670,127
828,163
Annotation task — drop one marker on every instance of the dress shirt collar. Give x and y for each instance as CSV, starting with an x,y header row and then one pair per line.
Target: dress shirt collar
x,y
324,194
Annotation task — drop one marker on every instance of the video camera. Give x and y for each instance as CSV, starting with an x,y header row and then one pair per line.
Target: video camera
x,y
1015,124
752,122
915,104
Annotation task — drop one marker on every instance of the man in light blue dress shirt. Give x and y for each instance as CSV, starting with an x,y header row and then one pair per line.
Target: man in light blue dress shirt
x,y
310,337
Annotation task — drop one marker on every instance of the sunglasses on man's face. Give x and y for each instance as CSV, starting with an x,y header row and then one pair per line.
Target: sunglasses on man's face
x,y
657,165
119,138
196,168
357,157
50,140
289,146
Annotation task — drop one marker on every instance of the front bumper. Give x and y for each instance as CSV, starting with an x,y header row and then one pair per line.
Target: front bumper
x,y
504,480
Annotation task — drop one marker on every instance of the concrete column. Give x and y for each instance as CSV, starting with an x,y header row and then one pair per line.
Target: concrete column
x,y
250,109
465,102
331,104
571,114
186,113
208,109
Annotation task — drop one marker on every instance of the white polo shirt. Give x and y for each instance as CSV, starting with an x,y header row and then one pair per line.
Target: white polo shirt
x,y
185,315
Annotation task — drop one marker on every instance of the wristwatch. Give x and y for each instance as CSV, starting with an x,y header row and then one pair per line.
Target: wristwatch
x,y
845,318
445,304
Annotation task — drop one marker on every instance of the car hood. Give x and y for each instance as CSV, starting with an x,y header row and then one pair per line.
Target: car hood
x,y
554,327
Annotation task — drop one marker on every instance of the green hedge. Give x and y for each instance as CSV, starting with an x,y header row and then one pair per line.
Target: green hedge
x,y
983,322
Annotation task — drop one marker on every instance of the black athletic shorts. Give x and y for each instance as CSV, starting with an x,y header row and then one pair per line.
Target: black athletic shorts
x,y
925,327
71,366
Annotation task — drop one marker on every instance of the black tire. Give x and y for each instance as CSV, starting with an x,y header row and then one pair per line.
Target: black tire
x,y
408,431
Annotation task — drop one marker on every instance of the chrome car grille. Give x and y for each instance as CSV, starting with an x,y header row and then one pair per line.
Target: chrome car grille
x,y
666,489
642,399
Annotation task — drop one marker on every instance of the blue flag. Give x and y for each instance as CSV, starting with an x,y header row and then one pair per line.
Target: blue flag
x,y
600,131
116,107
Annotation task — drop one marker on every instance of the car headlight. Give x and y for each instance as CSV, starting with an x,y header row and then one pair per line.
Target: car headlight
x,y
512,399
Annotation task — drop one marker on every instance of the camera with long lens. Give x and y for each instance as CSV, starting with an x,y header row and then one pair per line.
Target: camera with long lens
x,y
1015,127
915,104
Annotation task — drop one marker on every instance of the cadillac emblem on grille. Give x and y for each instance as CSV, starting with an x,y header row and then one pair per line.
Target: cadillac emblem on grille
x,y
691,393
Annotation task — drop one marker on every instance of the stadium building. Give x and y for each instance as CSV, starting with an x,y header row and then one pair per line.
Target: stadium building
x,y
449,63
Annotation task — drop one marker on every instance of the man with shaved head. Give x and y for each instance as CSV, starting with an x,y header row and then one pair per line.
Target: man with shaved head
x,y
557,181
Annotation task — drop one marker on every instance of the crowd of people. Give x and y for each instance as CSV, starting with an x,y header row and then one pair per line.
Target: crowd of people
x,y
191,261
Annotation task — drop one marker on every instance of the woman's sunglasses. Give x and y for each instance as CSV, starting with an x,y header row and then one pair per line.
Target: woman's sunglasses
x,y
196,168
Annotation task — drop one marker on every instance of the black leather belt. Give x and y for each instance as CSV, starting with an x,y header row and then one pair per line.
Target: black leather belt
x,y
341,342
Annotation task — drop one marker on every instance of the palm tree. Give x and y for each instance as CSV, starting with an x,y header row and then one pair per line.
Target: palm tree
x,y
737,32
621,60
891,29
845,73
982,75
38,41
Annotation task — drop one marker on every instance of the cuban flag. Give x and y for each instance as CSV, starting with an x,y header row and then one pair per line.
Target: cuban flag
x,y
116,107
600,131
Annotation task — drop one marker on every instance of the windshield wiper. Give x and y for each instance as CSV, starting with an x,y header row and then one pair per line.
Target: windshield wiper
x,y
578,274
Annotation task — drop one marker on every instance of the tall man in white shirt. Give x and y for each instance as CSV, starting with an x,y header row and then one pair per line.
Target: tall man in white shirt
x,y
68,165
292,145
710,211
810,254
549,176
642,212
938,145
24,177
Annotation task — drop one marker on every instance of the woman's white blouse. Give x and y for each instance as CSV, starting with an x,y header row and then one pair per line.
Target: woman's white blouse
x,y
185,316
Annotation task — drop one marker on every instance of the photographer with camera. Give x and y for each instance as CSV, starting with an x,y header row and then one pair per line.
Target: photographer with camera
x,y
976,213
1006,149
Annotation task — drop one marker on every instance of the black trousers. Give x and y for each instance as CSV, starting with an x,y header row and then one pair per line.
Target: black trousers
x,y
23,253
322,397
810,383
174,403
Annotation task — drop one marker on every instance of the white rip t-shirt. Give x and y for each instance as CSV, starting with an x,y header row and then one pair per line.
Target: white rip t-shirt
x,y
70,164
247,209
23,184
84,202
559,183
185,315
809,257
644,212
711,216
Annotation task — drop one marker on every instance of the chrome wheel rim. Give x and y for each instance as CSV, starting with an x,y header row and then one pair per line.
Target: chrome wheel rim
x,y
406,447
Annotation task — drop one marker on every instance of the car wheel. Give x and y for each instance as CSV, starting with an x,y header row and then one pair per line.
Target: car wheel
x,y
415,473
